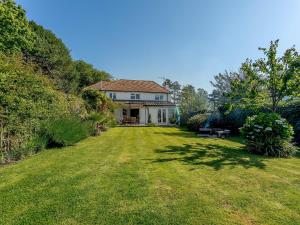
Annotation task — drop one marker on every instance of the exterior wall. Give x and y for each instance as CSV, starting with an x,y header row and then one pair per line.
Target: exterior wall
x,y
143,116
144,113
143,96
153,110
146,110
118,114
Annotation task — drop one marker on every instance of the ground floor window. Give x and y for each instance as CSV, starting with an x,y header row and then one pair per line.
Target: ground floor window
x,y
161,115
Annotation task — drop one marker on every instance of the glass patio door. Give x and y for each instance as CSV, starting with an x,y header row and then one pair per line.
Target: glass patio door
x,y
162,116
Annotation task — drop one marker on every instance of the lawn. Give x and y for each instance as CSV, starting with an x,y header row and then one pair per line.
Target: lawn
x,y
151,175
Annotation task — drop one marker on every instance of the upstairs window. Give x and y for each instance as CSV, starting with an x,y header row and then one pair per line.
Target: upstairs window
x,y
112,95
135,96
159,97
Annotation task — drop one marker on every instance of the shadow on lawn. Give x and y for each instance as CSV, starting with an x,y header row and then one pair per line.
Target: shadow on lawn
x,y
211,155
182,132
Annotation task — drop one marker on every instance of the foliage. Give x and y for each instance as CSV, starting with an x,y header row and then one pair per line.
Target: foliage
x,y
197,121
175,89
172,120
49,52
192,101
43,48
39,82
247,89
53,58
103,119
26,99
64,131
231,120
96,100
291,112
279,72
268,134
267,82
88,75
15,33
222,88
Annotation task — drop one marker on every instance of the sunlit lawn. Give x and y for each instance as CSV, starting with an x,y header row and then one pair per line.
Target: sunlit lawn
x,y
150,176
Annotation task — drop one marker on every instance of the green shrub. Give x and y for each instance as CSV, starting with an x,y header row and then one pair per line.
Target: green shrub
x,y
291,112
64,131
197,121
268,134
26,99
172,120
106,119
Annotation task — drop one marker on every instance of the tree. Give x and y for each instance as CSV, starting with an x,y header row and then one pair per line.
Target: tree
x,y
222,87
26,99
88,75
192,101
247,88
15,33
174,88
96,100
280,73
49,52
264,83
53,58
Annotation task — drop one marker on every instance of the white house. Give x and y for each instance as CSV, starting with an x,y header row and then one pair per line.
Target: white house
x,y
140,101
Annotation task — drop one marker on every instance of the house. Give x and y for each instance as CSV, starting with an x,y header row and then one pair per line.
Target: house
x,y
139,101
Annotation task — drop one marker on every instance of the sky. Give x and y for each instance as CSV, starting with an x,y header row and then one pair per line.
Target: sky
x,y
190,41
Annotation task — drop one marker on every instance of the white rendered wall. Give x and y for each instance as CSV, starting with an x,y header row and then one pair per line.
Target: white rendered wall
x,y
153,110
143,96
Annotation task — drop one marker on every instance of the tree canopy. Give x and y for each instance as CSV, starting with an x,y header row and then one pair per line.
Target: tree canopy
x,y
15,33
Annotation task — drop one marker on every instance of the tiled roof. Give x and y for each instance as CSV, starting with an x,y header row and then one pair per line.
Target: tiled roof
x,y
130,86
146,103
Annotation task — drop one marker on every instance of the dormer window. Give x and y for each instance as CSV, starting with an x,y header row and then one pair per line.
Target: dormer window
x,y
112,95
134,96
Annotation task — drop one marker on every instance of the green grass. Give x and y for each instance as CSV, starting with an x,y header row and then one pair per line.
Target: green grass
x,y
151,175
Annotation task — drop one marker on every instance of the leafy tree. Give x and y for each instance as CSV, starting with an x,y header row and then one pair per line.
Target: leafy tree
x,y
96,100
175,89
26,99
222,87
280,73
49,52
53,58
88,75
247,88
192,101
294,71
15,33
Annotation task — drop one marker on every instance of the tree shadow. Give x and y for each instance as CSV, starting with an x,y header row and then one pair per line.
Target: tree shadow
x,y
181,132
210,155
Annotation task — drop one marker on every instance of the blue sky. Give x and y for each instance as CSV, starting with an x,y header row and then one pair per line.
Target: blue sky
x,y
185,40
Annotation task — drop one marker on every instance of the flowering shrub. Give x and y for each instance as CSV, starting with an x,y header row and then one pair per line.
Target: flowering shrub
x,y
268,134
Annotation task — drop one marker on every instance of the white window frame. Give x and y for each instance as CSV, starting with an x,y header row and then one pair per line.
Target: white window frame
x,y
113,95
135,96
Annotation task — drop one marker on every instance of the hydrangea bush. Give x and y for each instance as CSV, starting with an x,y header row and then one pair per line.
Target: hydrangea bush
x,y
268,134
